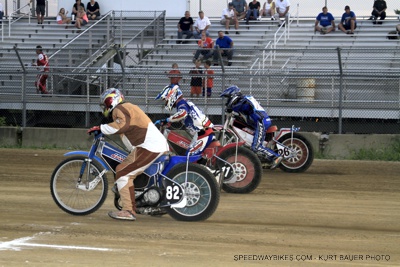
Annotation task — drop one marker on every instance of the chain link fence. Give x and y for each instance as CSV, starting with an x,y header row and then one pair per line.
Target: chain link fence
x,y
323,90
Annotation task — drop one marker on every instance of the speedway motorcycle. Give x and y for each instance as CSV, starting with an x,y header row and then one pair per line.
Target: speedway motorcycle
x,y
296,149
172,184
237,168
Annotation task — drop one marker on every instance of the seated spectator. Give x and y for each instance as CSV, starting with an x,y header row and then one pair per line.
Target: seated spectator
x,y
206,44
62,18
1,13
268,9
223,47
253,10
75,8
81,18
201,24
229,18
240,8
348,22
325,22
92,10
282,11
185,26
379,10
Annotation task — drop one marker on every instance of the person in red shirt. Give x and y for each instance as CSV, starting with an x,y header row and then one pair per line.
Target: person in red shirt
x,y
174,75
42,64
209,78
206,45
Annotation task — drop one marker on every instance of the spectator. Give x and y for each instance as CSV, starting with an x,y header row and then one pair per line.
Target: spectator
x,y
92,10
240,7
229,18
185,26
223,47
174,75
201,24
62,18
40,10
196,81
253,10
268,9
209,83
81,18
379,10
75,8
1,13
206,45
348,22
42,63
282,11
325,22
398,28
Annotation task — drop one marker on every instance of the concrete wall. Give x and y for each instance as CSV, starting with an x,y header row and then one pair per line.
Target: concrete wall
x,y
335,146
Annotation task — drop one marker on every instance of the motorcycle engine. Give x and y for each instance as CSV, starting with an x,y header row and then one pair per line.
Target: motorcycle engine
x,y
150,197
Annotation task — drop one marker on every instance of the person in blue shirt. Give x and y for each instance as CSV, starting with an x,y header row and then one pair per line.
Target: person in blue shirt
x,y
348,23
325,22
254,115
195,121
225,46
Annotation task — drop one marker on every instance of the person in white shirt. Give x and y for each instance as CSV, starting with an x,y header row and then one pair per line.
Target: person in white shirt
x,y
201,24
229,18
268,9
282,11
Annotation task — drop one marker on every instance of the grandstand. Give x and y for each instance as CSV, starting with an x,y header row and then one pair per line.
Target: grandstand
x,y
269,61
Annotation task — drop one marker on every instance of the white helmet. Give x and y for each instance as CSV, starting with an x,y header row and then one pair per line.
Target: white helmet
x,y
109,99
170,95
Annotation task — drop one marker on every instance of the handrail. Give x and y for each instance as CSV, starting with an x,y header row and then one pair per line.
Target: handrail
x,y
10,22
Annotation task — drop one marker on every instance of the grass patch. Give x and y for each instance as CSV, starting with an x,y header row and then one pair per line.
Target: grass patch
x,y
391,153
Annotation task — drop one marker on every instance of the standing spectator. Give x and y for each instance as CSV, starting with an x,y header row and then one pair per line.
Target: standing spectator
x,y
201,24
75,8
282,11
348,23
92,10
42,63
240,7
62,18
40,10
196,81
223,47
174,75
185,26
206,45
325,22
1,13
81,18
209,83
379,10
229,18
253,10
268,9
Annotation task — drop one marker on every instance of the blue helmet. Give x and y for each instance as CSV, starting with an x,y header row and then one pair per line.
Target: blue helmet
x,y
231,91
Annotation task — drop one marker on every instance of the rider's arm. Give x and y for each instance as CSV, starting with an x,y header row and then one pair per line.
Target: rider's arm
x,y
180,115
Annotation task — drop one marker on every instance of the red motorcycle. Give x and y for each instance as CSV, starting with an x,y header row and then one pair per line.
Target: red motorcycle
x,y
237,168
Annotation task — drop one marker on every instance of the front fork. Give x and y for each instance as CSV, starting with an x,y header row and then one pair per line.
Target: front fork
x,y
88,184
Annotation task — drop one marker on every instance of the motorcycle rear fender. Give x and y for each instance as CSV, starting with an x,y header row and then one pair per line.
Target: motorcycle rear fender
x,y
179,159
86,154
282,132
222,149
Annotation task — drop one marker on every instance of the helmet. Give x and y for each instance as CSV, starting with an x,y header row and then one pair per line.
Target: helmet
x,y
231,91
109,99
170,95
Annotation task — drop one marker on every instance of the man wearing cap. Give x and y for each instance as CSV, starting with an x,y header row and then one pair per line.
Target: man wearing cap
x,y
201,24
348,22
229,18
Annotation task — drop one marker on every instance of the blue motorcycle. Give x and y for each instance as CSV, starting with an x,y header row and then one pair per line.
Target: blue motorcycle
x,y
172,184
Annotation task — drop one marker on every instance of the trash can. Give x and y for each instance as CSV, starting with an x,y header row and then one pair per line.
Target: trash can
x,y
306,90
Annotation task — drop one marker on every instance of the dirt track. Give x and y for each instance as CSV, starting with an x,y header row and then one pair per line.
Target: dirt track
x,y
336,212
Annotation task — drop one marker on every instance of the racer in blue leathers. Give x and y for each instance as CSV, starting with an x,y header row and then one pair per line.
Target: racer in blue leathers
x,y
254,115
195,121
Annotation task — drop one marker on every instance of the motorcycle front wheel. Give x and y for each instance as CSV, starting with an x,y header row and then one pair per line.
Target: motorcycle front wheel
x,y
78,197
201,189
